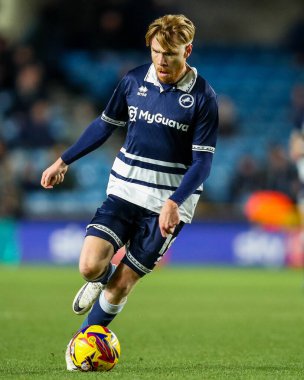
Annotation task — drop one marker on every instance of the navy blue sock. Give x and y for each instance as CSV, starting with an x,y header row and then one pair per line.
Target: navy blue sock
x,y
102,312
97,316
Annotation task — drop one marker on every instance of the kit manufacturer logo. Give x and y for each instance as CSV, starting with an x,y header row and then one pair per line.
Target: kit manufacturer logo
x,y
142,91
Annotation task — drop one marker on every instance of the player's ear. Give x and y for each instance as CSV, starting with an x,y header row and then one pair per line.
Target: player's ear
x,y
188,50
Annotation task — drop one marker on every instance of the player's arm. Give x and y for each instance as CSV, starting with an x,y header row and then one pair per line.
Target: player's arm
x,y
197,173
114,115
203,147
93,137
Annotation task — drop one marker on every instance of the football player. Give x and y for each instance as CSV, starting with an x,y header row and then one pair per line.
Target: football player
x,y
170,115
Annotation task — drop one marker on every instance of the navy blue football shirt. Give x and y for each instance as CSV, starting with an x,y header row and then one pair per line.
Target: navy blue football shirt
x,y
171,137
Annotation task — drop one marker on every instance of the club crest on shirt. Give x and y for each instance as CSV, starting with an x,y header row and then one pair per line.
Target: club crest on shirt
x,y
142,91
186,100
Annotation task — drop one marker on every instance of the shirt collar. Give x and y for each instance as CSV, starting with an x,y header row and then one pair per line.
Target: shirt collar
x,y
185,84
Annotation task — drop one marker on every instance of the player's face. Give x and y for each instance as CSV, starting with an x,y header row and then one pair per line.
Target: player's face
x,y
170,65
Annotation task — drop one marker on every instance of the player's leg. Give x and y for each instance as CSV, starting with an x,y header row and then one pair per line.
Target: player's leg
x,y
108,231
95,257
146,247
114,297
110,303
95,267
121,284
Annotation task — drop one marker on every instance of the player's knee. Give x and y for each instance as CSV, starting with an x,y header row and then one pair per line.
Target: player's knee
x,y
95,257
90,270
87,272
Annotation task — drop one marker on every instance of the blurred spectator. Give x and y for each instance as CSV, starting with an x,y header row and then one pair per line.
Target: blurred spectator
x,y
296,151
10,209
6,79
247,179
295,40
296,143
10,195
29,87
36,130
48,33
137,19
93,25
279,173
82,113
297,106
23,55
29,180
29,176
5,66
228,116
110,26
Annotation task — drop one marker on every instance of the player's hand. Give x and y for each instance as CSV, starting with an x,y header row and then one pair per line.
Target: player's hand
x,y
169,218
54,174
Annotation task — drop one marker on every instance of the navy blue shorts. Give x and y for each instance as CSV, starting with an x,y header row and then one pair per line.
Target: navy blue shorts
x,y
123,223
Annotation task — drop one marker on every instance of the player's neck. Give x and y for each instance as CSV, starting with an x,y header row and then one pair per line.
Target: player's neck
x,y
183,73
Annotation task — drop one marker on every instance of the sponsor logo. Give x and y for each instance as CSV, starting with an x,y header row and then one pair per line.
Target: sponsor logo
x,y
257,247
142,91
135,114
132,113
186,100
65,243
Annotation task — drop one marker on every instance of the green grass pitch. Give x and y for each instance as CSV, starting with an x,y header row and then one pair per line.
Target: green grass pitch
x,y
179,323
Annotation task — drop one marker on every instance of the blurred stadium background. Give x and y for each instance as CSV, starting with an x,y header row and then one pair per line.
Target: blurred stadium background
x,y
59,63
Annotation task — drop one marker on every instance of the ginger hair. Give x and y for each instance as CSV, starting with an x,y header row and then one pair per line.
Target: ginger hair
x,y
171,31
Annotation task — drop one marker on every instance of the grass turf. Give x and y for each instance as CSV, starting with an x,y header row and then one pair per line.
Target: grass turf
x,y
180,323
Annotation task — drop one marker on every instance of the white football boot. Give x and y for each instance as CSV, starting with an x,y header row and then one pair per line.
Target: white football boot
x,y
69,362
88,294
